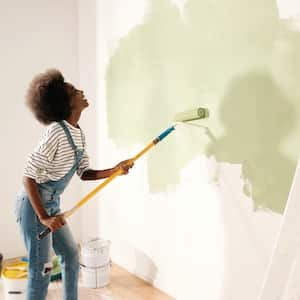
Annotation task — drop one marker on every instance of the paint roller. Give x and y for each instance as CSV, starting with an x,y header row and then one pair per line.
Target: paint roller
x,y
186,116
191,115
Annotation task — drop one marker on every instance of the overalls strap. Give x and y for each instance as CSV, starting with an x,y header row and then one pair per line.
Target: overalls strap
x,y
69,137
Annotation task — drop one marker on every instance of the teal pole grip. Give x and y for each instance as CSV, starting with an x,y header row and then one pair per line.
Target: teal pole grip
x,y
164,134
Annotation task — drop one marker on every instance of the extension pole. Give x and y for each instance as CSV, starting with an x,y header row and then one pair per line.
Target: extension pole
x,y
108,180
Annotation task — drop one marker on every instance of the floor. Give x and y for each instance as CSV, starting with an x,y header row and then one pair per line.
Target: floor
x,y
123,286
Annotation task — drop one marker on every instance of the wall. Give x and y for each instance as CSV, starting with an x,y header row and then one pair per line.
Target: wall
x,y
35,35
87,55
199,214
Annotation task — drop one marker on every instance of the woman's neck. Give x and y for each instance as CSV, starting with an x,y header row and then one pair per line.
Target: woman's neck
x,y
74,118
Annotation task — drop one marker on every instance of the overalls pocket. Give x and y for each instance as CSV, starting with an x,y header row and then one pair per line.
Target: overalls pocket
x,y
50,201
46,197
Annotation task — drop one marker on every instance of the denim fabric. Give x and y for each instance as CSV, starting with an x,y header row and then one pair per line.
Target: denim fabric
x,y
61,240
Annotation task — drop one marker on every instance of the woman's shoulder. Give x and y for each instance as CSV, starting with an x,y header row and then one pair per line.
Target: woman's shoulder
x,y
49,138
52,130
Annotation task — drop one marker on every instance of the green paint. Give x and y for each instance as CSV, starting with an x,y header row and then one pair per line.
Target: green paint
x,y
257,116
232,56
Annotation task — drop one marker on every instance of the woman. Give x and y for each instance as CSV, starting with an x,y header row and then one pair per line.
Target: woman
x,y
60,153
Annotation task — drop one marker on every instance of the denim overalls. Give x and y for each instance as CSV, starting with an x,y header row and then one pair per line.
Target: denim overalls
x,y
39,252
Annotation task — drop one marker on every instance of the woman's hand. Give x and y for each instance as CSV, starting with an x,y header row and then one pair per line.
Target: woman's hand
x,y
124,165
54,222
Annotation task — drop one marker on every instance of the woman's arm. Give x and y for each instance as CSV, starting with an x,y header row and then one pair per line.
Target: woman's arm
x,y
101,174
32,191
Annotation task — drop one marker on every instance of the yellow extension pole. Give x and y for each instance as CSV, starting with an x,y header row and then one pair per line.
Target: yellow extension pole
x,y
107,181
104,183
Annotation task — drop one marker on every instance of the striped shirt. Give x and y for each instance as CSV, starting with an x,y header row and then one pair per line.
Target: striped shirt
x,y
53,157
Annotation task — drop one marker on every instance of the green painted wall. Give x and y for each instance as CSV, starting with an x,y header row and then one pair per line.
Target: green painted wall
x,y
233,56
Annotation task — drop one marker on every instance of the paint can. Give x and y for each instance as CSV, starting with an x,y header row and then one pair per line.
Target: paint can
x,y
95,263
14,277
95,277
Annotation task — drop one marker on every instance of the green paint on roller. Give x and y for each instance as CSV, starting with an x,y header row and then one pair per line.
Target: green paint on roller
x,y
190,115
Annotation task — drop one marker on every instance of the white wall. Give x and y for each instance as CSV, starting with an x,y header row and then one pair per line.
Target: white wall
x,y
88,82
288,8
35,35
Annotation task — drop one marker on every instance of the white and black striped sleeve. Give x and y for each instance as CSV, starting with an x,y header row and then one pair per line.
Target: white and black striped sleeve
x,y
39,161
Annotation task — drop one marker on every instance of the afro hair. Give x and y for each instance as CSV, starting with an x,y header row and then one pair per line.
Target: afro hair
x,y
48,97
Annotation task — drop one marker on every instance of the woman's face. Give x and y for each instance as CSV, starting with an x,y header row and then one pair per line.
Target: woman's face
x,y
78,100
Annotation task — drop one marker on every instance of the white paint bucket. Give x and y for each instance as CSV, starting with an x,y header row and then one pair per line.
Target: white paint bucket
x,y
95,277
14,289
95,263
14,278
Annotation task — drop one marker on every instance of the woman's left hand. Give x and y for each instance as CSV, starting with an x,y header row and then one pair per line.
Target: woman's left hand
x,y
125,165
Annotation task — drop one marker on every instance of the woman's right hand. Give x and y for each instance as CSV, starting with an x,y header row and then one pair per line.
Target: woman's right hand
x,y
54,222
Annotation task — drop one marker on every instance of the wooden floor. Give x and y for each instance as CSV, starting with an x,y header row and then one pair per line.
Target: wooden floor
x,y
123,286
